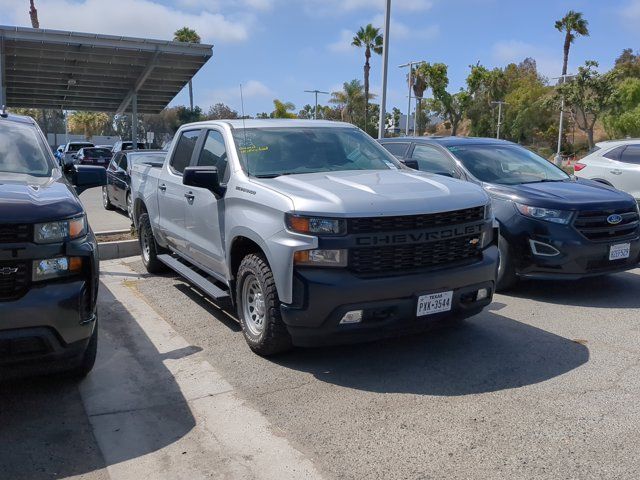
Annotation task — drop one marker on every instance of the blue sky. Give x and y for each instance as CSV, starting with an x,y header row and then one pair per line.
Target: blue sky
x,y
279,48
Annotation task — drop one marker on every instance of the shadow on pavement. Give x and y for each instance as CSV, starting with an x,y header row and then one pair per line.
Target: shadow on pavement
x,y
131,400
485,354
611,291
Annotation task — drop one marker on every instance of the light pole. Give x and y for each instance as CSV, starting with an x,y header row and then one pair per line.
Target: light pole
x,y
562,79
315,111
499,103
410,65
385,63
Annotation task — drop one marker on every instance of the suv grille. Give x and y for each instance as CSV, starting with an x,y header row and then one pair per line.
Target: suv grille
x,y
415,222
594,225
15,233
406,258
14,280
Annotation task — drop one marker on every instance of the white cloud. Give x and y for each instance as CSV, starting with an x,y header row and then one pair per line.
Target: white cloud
x,y
216,5
402,31
515,51
343,44
630,13
137,18
251,89
340,6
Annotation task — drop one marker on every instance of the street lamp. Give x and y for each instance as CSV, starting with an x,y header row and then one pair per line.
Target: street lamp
x,y
315,112
385,63
410,65
499,103
562,79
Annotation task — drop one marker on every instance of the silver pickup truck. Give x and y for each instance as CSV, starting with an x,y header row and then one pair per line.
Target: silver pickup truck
x,y
316,233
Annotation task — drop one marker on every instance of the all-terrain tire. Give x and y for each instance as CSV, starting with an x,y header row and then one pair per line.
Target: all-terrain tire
x,y
149,248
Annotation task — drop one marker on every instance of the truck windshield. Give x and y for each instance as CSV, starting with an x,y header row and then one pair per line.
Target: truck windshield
x,y
271,152
507,164
21,151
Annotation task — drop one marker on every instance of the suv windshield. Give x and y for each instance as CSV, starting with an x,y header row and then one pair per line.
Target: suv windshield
x,y
271,152
506,164
22,151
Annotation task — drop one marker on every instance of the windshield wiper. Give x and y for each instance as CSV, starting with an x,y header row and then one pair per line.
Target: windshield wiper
x,y
273,175
544,180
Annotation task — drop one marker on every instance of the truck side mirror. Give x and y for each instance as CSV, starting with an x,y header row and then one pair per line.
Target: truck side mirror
x,y
203,177
84,177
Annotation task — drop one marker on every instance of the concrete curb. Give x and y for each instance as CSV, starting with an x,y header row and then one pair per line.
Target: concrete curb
x,y
112,232
118,249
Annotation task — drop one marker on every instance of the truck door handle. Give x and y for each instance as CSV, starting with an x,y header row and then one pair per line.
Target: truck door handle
x,y
189,196
616,172
162,188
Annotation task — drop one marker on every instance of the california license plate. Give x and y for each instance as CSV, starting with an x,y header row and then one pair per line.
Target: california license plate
x,y
434,303
619,251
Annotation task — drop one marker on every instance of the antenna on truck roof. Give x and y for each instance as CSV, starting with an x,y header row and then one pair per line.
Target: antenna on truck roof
x,y
244,133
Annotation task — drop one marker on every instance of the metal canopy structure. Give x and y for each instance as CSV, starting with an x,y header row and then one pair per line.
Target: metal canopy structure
x,y
56,69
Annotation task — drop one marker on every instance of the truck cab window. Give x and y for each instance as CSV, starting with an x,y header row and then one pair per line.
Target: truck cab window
x,y
184,150
214,153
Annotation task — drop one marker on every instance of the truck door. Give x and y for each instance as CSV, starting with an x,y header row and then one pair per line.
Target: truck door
x,y
205,213
172,194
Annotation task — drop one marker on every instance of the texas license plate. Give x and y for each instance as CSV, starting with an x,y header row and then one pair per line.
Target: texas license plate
x,y
619,251
434,303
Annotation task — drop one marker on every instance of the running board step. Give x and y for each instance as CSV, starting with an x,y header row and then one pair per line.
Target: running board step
x,y
193,277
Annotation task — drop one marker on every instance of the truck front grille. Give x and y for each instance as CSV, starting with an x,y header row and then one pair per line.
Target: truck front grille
x,y
396,259
14,280
415,222
15,233
595,226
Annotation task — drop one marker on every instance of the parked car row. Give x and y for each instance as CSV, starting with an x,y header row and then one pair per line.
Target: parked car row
x,y
86,153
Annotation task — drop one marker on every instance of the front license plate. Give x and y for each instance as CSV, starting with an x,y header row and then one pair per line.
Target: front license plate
x,y
434,303
101,160
620,251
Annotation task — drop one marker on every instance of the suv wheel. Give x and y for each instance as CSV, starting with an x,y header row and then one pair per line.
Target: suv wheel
x,y
149,248
129,207
507,277
106,201
259,308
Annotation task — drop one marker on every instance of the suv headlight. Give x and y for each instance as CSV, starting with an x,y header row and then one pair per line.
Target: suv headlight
x,y
549,215
316,225
52,232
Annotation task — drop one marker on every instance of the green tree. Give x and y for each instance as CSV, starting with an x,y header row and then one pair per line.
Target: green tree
x,y
418,80
628,64
624,118
370,39
452,107
88,123
220,111
187,35
572,24
351,100
283,109
588,96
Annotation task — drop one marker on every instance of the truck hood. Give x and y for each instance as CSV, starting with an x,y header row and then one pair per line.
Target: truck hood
x,y
27,199
372,193
576,194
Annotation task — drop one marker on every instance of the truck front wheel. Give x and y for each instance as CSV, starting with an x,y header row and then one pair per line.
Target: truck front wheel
x,y
259,307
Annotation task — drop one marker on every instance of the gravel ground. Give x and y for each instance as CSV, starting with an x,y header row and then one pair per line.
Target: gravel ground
x,y
544,384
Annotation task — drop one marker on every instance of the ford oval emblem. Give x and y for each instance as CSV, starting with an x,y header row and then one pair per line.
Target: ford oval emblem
x,y
614,219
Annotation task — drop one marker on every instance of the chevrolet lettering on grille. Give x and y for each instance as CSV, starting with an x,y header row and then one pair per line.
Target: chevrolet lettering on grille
x,y
418,236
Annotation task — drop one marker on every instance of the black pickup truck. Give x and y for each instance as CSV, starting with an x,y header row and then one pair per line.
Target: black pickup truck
x,y
48,256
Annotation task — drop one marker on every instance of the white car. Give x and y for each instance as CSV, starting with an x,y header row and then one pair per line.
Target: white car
x,y
616,163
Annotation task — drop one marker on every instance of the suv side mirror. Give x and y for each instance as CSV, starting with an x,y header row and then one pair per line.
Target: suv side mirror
x,y
84,177
203,177
411,163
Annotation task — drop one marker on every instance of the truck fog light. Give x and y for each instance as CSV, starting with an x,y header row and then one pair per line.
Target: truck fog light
x,y
55,267
321,258
354,316
482,294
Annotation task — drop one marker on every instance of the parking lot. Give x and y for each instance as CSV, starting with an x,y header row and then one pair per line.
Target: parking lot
x,y
544,384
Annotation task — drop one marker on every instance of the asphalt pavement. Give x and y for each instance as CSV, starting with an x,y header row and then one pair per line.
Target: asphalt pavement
x,y
544,384
102,220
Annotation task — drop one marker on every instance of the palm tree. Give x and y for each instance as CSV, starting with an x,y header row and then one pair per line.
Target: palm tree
x,y
350,98
573,24
370,39
418,81
33,13
187,35
88,123
283,109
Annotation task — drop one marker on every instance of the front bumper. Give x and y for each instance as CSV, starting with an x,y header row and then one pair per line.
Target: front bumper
x,y
323,296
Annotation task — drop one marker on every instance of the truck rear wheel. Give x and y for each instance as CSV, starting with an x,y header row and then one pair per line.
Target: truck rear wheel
x,y
149,248
259,307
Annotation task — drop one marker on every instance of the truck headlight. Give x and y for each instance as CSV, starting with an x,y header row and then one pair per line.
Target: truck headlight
x,y
321,258
549,215
49,268
60,231
316,225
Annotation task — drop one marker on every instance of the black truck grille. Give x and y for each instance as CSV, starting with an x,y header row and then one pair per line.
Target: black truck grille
x,y
595,226
415,222
15,233
14,280
406,258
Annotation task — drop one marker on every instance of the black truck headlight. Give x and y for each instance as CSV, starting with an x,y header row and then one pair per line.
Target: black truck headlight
x,y
562,217
59,231
321,258
50,268
316,225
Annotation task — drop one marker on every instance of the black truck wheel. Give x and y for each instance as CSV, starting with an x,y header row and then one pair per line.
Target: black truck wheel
x,y
259,307
149,248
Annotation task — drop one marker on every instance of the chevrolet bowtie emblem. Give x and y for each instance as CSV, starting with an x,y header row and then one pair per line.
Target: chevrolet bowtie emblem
x,y
8,270
474,241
